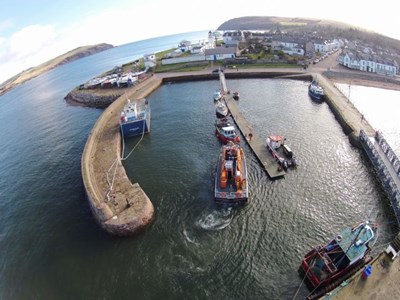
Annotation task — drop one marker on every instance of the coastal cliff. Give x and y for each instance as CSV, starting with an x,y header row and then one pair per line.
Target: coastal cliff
x,y
70,56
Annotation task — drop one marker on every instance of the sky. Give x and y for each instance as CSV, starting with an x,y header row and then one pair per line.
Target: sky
x,y
34,31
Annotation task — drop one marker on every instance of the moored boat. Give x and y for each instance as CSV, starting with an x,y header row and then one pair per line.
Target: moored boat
x,y
135,118
316,91
326,266
221,109
280,151
217,96
231,185
226,131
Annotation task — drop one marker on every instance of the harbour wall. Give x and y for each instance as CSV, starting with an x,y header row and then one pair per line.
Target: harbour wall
x,y
123,208
120,207
388,180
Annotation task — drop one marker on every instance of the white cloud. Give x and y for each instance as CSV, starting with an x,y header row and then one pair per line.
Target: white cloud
x,y
30,40
5,24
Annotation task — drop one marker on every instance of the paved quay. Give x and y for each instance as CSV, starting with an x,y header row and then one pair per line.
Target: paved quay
x,y
383,283
349,117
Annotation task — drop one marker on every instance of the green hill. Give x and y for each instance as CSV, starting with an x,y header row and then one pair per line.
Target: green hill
x,y
327,29
51,64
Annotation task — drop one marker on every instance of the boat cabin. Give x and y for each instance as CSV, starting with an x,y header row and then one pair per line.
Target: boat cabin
x,y
276,141
229,131
288,152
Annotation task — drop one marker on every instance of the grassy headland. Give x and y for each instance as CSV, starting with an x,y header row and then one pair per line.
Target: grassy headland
x,y
51,64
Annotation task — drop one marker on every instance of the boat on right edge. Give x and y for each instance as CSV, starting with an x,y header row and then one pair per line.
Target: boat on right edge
x,y
316,91
325,266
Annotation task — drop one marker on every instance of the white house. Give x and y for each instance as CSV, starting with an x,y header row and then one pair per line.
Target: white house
x,y
150,60
197,49
220,53
292,46
233,37
185,46
324,46
368,63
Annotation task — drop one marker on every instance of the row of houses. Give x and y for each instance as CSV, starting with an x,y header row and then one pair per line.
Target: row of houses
x,y
288,44
368,63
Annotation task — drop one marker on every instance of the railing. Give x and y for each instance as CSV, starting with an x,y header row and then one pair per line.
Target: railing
x,y
388,179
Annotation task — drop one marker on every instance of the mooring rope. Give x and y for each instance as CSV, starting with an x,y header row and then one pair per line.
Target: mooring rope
x,y
115,163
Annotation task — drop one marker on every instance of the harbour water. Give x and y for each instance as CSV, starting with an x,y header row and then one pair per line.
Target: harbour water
x,y
51,248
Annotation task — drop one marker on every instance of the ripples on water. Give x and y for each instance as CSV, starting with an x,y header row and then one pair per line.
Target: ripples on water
x,y
254,251
51,247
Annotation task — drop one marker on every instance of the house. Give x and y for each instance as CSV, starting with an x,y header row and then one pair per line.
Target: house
x,y
233,37
368,63
324,46
185,46
150,60
292,46
197,49
220,53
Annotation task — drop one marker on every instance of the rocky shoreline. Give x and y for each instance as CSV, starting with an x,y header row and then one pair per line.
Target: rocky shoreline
x,y
96,98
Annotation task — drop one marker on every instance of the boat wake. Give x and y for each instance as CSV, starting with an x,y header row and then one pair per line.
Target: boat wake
x,y
217,219
188,238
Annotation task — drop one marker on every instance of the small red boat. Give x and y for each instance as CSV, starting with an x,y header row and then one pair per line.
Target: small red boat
x,y
225,130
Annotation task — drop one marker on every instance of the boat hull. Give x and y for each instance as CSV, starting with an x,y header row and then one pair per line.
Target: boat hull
x,y
224,139
135,128
330,283
221,114
316,92
325,266
315,96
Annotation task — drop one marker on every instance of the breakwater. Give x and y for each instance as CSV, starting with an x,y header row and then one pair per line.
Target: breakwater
x,y
348,116
119,206
386,165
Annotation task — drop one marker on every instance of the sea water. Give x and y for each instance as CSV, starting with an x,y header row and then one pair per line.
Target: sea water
x,y
51,247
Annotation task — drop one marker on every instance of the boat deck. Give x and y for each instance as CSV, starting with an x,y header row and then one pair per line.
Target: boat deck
x,y
256,143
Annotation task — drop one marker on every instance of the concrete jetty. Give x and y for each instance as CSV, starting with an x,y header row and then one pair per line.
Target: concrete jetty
x,y
119,206
381,284
256,143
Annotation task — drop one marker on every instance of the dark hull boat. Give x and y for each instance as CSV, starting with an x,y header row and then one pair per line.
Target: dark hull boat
x,y
135,118
326,266
315,91
231,185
